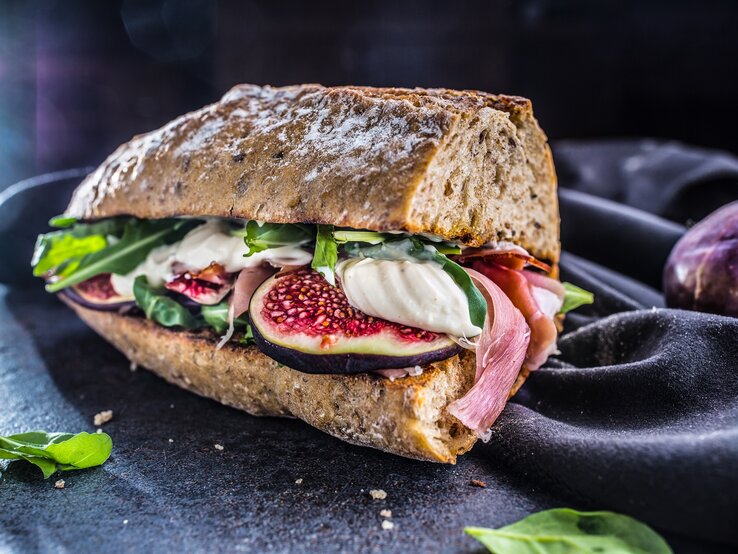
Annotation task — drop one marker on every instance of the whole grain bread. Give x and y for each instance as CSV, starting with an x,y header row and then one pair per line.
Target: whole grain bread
x,y
407,416
469,166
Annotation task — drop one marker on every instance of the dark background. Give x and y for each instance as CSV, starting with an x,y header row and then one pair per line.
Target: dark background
x,y
77,78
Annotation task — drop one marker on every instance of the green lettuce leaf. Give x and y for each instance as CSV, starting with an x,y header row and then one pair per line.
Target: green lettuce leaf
x,y
413,248
62,221
139,238
342,236
217,317
57,451
575,297
259,237
161,308
326,253
564,530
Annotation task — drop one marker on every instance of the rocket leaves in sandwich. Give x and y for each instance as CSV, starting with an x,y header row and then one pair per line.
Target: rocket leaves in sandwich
x,y
62,221
413,249
161,308
566,530
57,451
326,253
217,317
260,236
575,297
121,256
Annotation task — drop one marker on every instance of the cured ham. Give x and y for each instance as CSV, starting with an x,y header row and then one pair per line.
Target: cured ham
x,y
501,349
538,298
509,255
247,282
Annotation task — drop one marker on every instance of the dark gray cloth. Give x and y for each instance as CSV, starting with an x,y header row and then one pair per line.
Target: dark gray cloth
x,y
639,412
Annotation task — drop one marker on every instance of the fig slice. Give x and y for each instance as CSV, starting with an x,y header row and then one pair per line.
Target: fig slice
x,y
303,322
97,293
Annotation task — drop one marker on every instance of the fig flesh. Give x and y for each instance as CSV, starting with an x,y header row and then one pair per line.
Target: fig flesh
x,y
98,293
302,321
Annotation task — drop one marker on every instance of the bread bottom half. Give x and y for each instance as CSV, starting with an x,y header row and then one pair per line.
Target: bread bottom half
x,y
406,416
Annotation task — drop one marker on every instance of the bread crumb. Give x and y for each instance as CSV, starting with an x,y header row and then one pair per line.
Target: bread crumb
x,y
171,405
298,481
102,417
478,483
386,513
219,447
171,440
59,484
377,494
125,522
387,525
99,431
133,366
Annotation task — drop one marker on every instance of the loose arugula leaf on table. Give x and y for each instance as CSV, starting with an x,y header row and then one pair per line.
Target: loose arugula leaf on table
x,y
413,248
161,308
565,530
62,221
326,253
217,317
139,238
57,451
575,297
259,237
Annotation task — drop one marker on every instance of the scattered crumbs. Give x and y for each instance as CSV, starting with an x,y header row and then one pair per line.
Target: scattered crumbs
x,y
99,431
386,513
103,417
171,405
125,522
478,483
298,481
59,484
218,447
387,525
377,494
171,440
133,366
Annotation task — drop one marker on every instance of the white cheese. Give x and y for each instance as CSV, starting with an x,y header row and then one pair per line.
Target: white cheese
x,y
417,294
206,244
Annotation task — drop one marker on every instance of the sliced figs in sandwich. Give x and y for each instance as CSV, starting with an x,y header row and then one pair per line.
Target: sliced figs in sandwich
x,y
380,263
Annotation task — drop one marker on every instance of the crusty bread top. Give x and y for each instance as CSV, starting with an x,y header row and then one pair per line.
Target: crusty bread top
x,y
465,165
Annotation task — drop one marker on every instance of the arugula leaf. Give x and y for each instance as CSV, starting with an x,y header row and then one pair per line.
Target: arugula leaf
x,y
217,317
575,297
57,451
566,530
326,253
160,308
62,221
248,336
272,235
413,248
139,238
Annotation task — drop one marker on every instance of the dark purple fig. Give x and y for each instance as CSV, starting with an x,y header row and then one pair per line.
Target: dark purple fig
x,y
98,293
302,321
702,270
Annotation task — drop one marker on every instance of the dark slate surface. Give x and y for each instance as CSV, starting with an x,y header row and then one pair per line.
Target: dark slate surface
x,y
56,374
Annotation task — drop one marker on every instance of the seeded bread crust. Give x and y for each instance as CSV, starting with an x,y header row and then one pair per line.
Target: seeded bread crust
x,y
466,165
406,417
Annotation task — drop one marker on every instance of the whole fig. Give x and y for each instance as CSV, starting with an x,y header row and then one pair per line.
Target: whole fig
x,y
702,270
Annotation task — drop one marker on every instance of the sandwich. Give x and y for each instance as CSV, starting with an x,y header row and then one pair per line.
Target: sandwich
x,y
378,262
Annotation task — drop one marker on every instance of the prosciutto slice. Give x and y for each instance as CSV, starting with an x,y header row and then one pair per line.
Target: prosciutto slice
x,y
538,298
247,282
500,353
512,256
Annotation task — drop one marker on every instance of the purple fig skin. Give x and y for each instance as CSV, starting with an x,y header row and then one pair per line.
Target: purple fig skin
x,y
346,363
701,273
77,298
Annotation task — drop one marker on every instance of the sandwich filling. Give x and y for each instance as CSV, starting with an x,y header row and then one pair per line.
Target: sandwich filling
x,y
322,299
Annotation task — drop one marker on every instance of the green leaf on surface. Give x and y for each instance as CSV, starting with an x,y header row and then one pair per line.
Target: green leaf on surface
x,y
575,297
259,237
57,451
139,238
326,253
161,308
563,530
62,221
